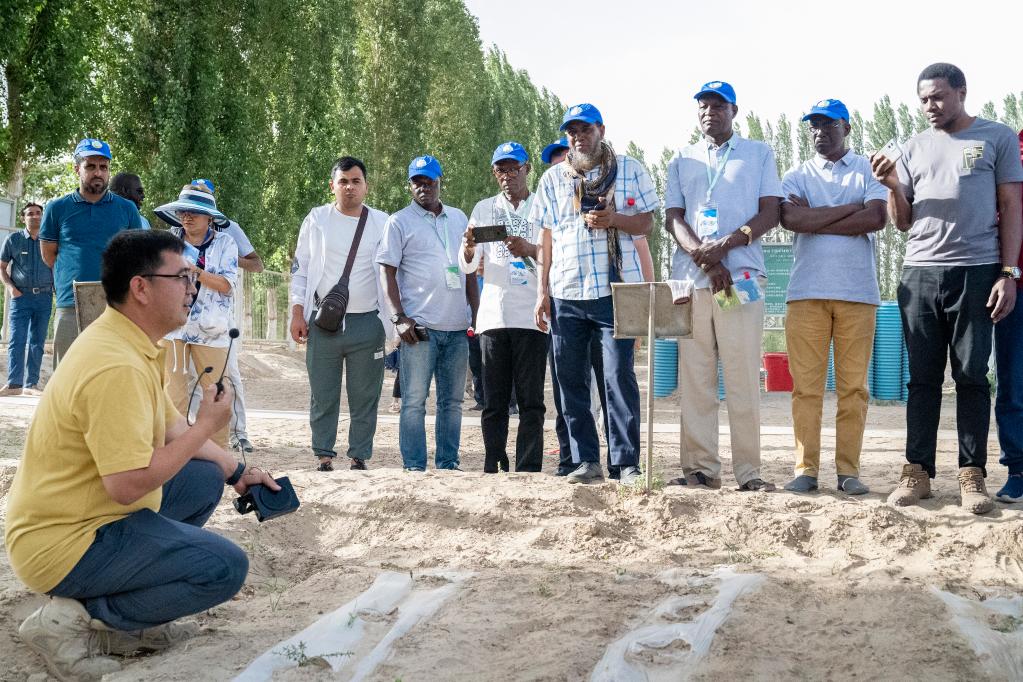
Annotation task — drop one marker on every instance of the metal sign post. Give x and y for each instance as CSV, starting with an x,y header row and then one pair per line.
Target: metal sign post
x,y
646,309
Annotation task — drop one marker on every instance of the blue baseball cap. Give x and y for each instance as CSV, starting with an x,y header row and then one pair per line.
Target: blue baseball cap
x,y
426,166
203,182
510,150
832,108
552,149
90,146
718,88
587,113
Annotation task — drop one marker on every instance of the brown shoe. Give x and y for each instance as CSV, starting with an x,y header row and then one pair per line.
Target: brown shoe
x,y
696,479
972,492
915,485
358,464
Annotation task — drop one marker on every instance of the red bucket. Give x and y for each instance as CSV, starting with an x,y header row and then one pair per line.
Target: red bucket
x,y
778,377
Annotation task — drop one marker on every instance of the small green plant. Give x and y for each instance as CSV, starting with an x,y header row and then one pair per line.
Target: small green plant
x,y
734,556
297,653
352,615
543,588
275,588
1005,623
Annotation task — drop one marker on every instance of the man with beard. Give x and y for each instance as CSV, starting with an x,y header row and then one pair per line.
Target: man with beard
x,y
76,229
512,347
956,190
589,207
834,205
427,294
721,196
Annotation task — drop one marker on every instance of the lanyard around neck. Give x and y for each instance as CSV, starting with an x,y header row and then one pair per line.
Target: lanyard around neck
x,y
711,182
442,234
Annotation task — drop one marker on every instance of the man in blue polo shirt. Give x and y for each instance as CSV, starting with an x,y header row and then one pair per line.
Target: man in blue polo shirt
x,y
31,285
76,229
589,209
427,293
721,196
833,205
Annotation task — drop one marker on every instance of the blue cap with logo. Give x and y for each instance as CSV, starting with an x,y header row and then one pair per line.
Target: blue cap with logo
x,y
203,182
426,166
587,113
832,108
510,150
92,147
552,149
721,88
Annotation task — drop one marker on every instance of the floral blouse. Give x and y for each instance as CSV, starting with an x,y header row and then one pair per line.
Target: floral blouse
x,y
211,316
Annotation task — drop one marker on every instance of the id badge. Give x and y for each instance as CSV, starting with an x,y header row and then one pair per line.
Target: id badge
x,y
517,273
452,277
707,221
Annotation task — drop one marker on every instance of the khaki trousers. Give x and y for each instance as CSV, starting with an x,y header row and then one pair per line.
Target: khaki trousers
x,y
734,337
65,331
178,356
810,327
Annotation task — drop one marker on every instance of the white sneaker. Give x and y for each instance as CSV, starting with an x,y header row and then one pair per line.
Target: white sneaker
x,y
122,643
59,632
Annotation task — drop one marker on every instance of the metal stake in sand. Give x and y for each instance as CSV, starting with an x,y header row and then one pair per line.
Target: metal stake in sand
x,y
646,309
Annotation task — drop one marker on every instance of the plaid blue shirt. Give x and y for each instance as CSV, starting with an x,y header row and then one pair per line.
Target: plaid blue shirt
x,y
580,266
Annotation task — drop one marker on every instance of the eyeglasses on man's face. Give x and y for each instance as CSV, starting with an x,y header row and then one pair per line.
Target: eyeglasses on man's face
x,y
508,172
189,278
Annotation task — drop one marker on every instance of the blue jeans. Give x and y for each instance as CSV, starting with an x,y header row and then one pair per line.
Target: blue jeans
x,y
1009,400
444,356
573,323
30,316
147,568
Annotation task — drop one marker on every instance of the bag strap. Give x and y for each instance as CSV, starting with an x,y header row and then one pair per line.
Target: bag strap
x,y
355,245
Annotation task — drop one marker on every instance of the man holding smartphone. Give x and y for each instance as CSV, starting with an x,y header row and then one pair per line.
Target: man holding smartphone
x,y
513,347
956,190
427,294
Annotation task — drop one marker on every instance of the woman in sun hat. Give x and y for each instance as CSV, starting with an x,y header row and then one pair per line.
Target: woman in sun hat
x,y
204,338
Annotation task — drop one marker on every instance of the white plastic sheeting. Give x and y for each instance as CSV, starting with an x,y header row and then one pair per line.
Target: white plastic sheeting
x,y
994,628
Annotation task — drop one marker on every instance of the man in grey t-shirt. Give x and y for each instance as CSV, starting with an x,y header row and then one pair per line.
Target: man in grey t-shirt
x,y
833,205
956,190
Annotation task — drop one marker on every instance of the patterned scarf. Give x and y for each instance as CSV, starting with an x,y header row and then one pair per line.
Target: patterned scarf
x,y
598,193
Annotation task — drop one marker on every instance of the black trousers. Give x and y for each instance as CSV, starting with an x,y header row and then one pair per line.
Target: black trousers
x,y
513,359
597,364
945,315
476,368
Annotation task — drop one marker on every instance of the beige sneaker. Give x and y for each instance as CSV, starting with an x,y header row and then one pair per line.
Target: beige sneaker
x,y
59,632
915,485
973,492
122,643
7,390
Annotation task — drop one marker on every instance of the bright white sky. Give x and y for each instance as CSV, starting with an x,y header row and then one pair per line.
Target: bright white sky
x,y
640,62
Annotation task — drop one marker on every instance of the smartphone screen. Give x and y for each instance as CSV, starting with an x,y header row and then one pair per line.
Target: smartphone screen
x,y
489,233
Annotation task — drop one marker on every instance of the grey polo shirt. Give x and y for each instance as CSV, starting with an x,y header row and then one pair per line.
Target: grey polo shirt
x,y
414,243
748,174
833,266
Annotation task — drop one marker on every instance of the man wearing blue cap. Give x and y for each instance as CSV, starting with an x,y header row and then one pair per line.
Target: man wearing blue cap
x,y
589,208
721,195
955,189
512,346
834,205
76,229
555,152
427,293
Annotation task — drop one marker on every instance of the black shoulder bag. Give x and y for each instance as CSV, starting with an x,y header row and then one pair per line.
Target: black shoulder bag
x,y
331,311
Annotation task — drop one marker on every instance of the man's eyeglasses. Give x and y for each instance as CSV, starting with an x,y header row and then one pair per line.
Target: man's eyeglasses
x,y
509,172
189,278
821,126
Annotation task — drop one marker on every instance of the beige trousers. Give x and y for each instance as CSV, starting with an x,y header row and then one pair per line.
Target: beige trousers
x,y
178,356
734,337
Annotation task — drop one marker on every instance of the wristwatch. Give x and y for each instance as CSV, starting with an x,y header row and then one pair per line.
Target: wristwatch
x,y
395,317
1012,272
748,231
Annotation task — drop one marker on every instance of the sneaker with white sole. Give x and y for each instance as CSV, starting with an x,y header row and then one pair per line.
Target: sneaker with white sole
x,y
587,472
59,632
125,643
628,475
1012,491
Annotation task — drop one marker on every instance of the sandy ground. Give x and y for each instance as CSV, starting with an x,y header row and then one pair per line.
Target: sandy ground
x,y
544,581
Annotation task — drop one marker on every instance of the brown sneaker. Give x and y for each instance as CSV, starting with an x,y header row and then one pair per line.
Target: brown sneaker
x,y
59,632
915,485
698,478
123,643
972,491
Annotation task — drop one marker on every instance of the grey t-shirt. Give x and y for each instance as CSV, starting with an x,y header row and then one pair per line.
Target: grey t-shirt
x,y
832,266
951,179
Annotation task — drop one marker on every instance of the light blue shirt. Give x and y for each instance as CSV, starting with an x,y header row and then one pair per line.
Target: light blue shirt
x,y
580,266
832,266
414,243
749,174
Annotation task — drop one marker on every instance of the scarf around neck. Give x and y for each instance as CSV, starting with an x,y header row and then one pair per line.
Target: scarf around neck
x,y
598,193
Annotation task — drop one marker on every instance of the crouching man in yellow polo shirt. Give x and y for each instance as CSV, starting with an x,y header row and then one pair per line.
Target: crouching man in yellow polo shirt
x,y
106,511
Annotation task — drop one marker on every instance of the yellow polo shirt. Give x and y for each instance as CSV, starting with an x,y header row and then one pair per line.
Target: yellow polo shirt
x,y
103,412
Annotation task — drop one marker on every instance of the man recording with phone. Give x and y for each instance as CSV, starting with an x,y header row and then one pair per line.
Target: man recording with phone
x,y
106,511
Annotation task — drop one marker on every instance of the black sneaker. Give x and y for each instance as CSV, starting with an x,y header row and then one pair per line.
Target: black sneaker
x,y
358,464
326,466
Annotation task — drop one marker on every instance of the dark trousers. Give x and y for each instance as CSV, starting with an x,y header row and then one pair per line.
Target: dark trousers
x,y
513,359
476,369
573,324
1009,400
148,569
945,315
560,428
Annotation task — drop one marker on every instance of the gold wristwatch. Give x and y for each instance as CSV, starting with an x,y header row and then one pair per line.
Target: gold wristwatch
x,y
1010,271
748,231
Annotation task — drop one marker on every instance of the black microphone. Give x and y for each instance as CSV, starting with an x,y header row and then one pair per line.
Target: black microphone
x,y
234,334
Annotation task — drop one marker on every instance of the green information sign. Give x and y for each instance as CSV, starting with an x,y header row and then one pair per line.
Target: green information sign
x,y
778,259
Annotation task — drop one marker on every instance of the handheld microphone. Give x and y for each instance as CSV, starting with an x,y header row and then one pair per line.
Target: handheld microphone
x,y
234,334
